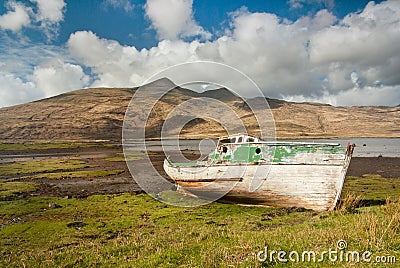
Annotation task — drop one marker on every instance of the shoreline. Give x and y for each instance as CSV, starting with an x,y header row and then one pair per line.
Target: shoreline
x,y
116,142
99,158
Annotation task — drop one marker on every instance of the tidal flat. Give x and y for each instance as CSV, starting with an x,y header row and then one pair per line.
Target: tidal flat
x,y
97,216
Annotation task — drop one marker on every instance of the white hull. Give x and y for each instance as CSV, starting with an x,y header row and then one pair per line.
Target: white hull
x,y
312,186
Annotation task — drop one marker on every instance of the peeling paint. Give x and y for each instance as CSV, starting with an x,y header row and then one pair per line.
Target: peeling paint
x,y
305,175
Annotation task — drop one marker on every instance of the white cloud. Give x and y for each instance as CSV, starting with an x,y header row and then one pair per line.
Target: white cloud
x,y
375,96
47,80
365,43
50,10
369,95
272,52
321,20
353,61
16,17
314,58
120,66
173,19
295,4
124,4
45,15
108,59
20,58
14,91
56,77
49,14
33,72
92,49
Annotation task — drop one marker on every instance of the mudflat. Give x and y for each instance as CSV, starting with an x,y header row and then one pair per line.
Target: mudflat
x,y
104,170
387,167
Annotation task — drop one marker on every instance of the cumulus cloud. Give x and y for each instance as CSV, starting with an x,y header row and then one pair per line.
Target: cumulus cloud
x,y
110,61
14,91
296,4
120,66
314,58
16,17
50,11
49,14
19,58
124,4
362,44
56,77
49,79
173,19
45,15
356,96
321,20
271,51
349,61
35,72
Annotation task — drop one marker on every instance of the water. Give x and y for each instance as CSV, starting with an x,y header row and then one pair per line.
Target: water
x,y
365,147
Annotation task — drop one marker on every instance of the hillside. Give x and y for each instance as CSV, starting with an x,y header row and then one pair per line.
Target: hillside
x,y
98,113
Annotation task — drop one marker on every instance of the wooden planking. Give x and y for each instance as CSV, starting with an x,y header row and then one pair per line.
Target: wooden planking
x,y
311,186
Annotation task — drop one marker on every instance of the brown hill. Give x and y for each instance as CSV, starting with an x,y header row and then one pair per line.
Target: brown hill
x,y
98,113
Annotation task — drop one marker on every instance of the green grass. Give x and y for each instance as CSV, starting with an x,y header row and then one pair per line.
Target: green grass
x,y
75,174
175,198
138,231
9,189
44,145
39,166
123,159
129,156
372,187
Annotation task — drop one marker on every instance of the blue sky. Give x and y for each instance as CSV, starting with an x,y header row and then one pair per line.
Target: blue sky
x,y
129,26
337,52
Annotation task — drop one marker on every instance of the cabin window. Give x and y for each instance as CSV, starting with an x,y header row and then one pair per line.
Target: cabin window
x,y
258,150
225,141
240,139
250,140
225,149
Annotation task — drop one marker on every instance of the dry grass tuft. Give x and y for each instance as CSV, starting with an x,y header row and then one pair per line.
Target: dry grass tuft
x,y
349,203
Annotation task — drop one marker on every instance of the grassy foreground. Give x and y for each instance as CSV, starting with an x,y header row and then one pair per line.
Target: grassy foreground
x,y
41,166
139,231
45,145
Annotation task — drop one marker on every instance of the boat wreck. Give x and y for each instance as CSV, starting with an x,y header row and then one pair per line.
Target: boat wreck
x,y
247,170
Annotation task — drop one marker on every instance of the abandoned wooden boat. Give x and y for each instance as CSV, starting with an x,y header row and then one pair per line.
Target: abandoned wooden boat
x,y
281,174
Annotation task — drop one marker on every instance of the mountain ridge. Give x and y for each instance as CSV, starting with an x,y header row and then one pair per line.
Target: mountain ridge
x,y
98,113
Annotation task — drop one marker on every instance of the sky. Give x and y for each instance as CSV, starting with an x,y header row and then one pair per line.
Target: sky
x,y
344,53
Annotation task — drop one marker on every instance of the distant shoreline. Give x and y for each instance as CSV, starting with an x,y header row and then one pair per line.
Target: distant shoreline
x,y
103,156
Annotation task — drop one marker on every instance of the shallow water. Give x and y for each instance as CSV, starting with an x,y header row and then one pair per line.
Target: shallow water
x,y
369,146
365,147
